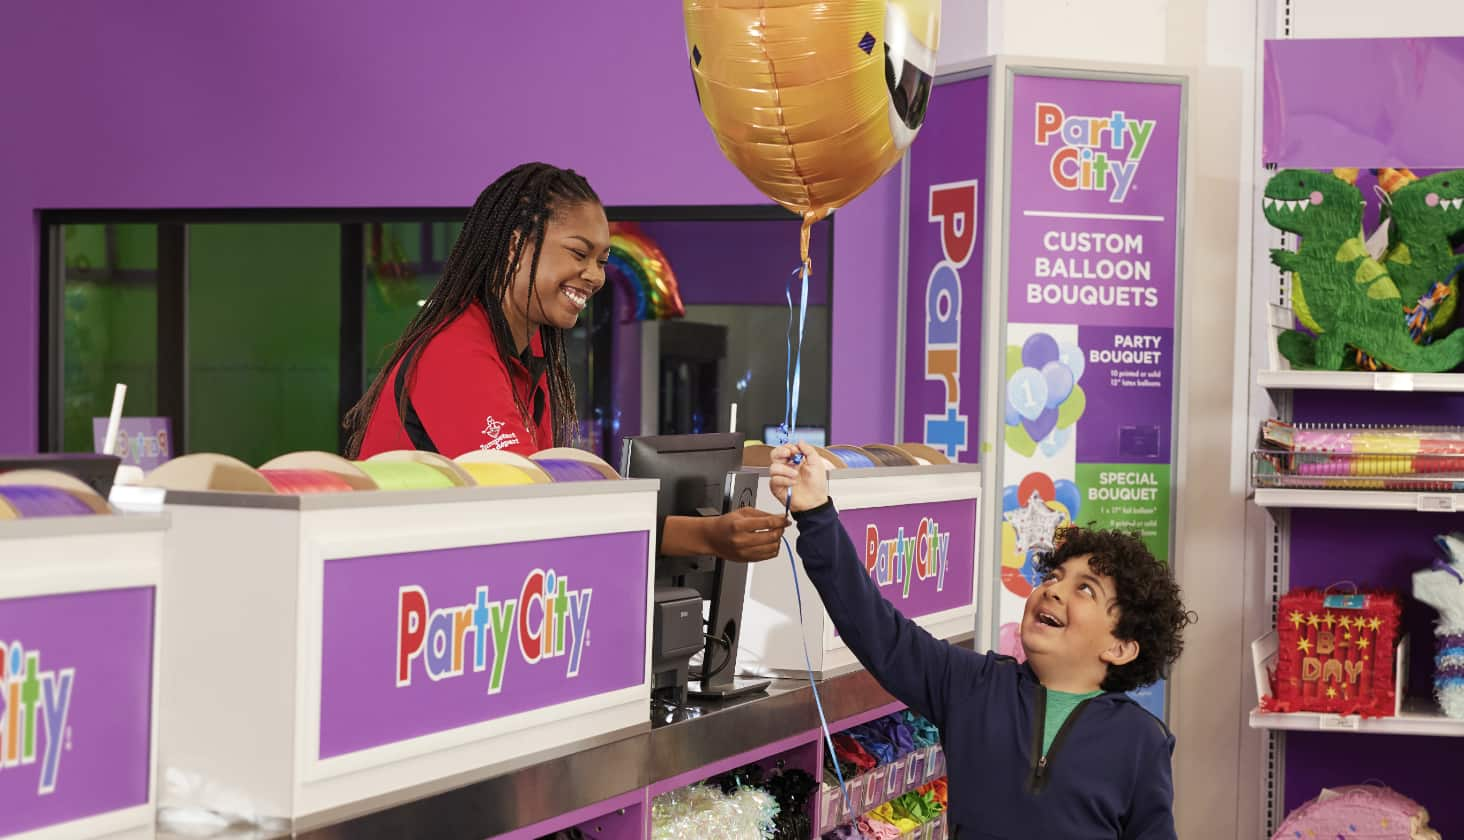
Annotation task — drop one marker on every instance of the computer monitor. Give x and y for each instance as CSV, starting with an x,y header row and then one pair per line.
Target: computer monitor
x,y
811,435
96,471
701,475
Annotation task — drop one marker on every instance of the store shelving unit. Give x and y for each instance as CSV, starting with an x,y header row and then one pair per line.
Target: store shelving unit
x,y
1320,537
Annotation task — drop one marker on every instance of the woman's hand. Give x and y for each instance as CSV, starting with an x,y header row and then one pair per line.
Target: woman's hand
x,y
809,479
746,535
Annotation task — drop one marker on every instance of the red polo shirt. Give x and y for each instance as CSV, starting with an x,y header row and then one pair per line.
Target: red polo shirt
x,y
460,397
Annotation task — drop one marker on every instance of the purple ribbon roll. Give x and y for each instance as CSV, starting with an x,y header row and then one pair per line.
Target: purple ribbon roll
x,y
570,470
31,501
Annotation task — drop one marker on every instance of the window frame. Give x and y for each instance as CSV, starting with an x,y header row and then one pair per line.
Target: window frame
x,y
172,328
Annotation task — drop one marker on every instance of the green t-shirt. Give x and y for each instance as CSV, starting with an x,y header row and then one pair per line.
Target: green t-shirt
x,y
1060,704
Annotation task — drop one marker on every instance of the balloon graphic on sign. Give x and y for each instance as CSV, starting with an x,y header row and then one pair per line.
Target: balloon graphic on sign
x,y
813,101
1027,393
1060,381
1056,503
1044,401
1039,350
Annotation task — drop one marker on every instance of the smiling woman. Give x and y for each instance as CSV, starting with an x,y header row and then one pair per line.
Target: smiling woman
x,y
483,363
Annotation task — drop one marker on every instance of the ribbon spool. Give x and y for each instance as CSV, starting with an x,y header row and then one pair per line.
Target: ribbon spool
x,y
761,455
305,482
404,475
889,456
32,501
562,471
401,469
854,458
498,469
37,493
756,454
496,475
341,470
565,464
206,471
923,455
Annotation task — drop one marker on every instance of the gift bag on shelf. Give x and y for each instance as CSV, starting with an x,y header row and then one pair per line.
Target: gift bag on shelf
x,y
1335,653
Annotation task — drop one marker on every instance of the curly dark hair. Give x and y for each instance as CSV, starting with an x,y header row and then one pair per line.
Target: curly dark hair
x,y
1149,608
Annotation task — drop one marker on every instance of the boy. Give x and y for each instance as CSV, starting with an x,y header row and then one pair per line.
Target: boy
x,y
1052,748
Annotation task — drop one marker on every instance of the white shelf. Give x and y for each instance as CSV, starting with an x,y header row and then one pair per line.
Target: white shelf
x,y
1351,380
1271,497
1419,717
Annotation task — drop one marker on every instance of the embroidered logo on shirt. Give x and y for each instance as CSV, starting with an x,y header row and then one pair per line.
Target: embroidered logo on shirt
x,y
498,439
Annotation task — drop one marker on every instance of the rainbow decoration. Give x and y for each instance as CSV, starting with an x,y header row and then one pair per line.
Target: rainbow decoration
x,y
644,275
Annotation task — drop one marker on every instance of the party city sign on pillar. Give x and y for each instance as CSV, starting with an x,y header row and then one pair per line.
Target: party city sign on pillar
x,y
941,377
953,209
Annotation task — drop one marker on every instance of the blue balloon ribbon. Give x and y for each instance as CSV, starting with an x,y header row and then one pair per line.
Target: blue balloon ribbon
x,y
793,378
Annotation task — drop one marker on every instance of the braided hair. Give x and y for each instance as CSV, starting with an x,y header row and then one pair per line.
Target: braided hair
x,y
510,215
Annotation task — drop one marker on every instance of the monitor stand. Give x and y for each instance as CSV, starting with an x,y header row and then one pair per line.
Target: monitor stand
x,y
724,620
739,687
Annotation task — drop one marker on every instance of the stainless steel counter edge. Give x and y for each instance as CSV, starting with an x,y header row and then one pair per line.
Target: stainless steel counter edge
x,y
68,526
496,800
401,498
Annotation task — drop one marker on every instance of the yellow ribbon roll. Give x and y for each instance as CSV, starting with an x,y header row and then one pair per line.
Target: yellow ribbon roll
x,y
495,475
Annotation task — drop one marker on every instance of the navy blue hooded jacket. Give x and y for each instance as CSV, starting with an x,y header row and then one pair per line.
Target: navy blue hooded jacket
x,y
1107,774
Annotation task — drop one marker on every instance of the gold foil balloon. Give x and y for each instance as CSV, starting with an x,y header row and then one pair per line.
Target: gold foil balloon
x,y
813,101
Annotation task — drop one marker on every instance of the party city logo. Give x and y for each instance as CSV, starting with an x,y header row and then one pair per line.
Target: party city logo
x,y
547,620
1097,153
902,560
953,211
33,709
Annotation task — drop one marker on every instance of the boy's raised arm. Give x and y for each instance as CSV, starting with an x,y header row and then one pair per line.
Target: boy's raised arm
x,y
911,664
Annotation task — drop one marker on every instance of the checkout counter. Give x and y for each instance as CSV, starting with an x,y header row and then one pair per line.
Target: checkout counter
x,y
479,661
79,634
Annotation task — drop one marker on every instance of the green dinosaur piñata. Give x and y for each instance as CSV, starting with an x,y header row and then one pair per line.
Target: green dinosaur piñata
x,y
1337,291
1425,214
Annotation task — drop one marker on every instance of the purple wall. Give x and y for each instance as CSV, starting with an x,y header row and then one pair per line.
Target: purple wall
x,y
736,263
866,283
372,103
1354,102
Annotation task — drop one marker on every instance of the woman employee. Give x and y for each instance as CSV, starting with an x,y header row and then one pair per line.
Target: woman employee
x,y
482,365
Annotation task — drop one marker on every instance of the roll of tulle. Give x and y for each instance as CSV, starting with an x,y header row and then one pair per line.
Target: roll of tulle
x,y
699,812
303,482
35,501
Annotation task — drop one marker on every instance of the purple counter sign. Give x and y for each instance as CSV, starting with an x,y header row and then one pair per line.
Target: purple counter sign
x,y
429,641
922,556
75,714
143,442
942,368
